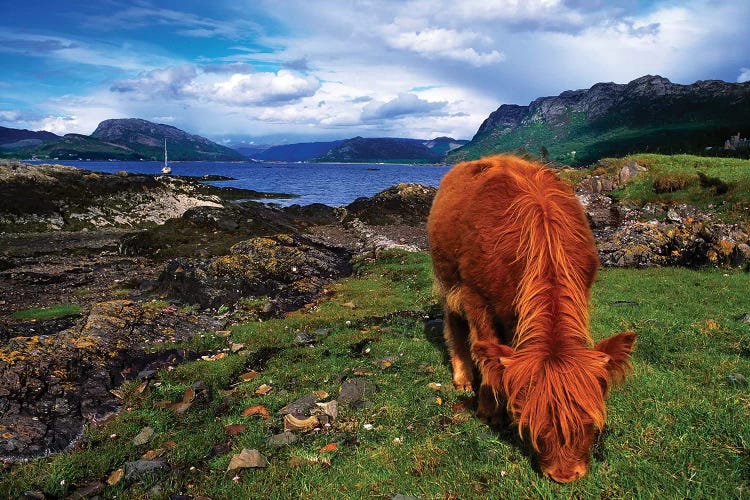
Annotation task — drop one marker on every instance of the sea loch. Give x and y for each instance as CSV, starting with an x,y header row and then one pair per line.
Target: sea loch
x,y
333,184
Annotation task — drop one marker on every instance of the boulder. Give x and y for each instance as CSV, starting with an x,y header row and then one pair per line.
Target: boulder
x,y
401,204
289,269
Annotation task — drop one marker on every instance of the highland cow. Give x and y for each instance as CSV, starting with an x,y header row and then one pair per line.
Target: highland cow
x,y
515,259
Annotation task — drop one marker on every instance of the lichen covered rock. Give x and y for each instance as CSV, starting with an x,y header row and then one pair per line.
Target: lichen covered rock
x,y
289,269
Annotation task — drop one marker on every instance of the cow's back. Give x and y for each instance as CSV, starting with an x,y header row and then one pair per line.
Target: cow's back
x,y
473,240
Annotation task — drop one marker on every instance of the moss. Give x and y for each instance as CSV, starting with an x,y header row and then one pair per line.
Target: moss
x,y
45,313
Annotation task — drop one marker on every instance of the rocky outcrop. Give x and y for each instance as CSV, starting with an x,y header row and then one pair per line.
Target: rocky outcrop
x,y
401,204
50,385
656,235
284,271
57,197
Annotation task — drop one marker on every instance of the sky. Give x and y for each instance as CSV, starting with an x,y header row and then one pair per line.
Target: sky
x,y
283,71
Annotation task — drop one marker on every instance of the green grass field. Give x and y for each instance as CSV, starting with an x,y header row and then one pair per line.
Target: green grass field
x,y
45,313
677,428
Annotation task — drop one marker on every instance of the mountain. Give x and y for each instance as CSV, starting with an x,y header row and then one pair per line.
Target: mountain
x,y
302,151
649,114
443,145
147,139
126,139
84,147
385,149
13,138
250,151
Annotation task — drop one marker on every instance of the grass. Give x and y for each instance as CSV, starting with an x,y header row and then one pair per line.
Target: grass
x,y
45,313
720,186
676,429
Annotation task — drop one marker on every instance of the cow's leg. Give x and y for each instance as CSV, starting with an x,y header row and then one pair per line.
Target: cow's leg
x,y
482,332
456,331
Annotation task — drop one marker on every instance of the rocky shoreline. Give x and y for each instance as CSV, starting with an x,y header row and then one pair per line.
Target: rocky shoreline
x,y
145,283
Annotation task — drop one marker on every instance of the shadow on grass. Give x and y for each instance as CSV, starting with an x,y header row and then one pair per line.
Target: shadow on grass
x,y
504,428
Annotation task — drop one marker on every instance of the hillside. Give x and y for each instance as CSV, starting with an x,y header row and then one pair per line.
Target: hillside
x,y
12,138
386,149
77,146
147,139
649,114
302,151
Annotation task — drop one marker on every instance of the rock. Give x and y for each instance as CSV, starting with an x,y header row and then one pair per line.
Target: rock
x,y
143,436
628,171
279,440
737,380
401,204
741,255
91,491
139,469
354,391
673,216
301,407
289,268
247,459
304,338
67,377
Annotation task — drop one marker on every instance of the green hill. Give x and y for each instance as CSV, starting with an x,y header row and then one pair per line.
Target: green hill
x,y
126,139
77,146
147,139
386,149
649,114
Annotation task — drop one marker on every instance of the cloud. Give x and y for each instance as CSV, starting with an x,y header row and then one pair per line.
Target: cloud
x,y
403,105
442,43
10,115
172,83
229,68
59,125
187,23
300,64
744,75
35,46
264,88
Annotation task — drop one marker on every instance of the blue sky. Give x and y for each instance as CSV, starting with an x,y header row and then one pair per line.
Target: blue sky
x,y
295,70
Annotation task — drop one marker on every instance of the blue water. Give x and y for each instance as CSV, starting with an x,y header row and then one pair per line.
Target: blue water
x,y
333,184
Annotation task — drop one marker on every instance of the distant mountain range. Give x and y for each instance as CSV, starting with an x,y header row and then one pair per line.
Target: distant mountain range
x,y
649,114
121,139
137,139
360,149
577,127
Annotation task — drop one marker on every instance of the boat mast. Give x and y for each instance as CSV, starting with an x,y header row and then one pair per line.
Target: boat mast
x,y
165,151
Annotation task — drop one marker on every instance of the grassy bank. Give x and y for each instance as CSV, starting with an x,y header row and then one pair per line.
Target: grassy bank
x,y
720,186
679,427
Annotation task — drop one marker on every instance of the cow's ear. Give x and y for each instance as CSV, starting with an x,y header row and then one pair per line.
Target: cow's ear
x,y
618,348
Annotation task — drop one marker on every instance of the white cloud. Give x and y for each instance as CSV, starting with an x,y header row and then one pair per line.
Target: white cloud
x,y
10,115
404,105
744,75
442,43
173,82
264,88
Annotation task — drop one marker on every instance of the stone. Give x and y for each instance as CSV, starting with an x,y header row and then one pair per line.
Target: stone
x,y
301,407
139,469
304,338
279,440
628,171
354,391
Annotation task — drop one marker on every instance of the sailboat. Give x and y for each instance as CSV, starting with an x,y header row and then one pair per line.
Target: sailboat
x,y
166,169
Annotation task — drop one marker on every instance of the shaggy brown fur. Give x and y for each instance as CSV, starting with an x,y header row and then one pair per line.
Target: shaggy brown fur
x,y
515,260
